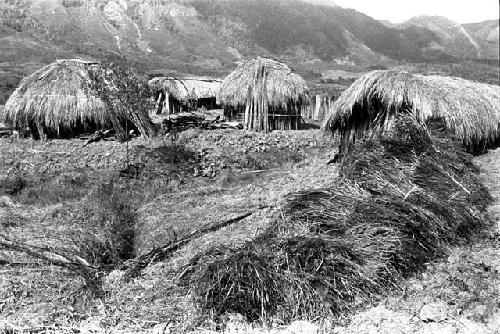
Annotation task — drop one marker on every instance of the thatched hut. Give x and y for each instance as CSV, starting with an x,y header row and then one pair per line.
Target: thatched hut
x,y
74,96
469,109
174,95
265,95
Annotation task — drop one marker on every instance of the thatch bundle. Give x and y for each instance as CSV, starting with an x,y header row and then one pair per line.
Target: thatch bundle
x,y
470,110
399,202
68,97
266,89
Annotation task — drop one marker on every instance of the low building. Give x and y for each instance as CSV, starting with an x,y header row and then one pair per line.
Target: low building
x,y
174,95
264,95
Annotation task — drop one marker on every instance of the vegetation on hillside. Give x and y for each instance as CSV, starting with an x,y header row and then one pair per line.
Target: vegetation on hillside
x,y
277,25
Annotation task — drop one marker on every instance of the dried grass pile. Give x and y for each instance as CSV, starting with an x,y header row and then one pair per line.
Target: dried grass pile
x,y
68,97
91,234
469,109
401,199
268,92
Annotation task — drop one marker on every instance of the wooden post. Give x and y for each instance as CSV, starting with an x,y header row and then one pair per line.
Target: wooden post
x,y
265,104
318,106
159,106
247,114
256,97
167,104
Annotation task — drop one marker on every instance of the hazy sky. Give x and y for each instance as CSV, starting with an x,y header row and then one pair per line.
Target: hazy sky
x,y
461,11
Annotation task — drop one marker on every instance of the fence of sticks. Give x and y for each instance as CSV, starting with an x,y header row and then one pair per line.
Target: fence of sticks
x,y
400,199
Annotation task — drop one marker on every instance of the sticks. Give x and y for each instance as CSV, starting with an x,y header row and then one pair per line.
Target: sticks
x,y
135,266
71,262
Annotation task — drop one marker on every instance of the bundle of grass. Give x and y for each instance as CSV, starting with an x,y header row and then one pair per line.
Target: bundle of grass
x,y
235,281
469,109
176,94
88,236
324,276
69,97
265,94
338,248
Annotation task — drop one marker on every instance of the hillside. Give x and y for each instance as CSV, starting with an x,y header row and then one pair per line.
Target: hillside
x,y
487,36
211,34
186,34
296,28
438,34
207,37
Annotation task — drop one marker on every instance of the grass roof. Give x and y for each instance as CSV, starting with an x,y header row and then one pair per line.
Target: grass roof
x,y
184,88
71,96
470,110
282,85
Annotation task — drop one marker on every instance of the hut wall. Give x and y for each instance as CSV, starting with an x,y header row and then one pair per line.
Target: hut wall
x,y
278,118
318,108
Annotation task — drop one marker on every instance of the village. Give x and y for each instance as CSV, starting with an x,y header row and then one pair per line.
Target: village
x,y
195,203
267,200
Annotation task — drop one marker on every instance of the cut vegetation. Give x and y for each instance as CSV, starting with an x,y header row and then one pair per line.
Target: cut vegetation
x,y
398,203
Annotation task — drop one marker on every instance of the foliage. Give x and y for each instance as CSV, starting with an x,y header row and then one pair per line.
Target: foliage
x,y
14,14
124,89
278,25
470,70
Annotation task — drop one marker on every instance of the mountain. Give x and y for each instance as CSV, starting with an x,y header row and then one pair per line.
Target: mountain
x,y
322,2
388,23
439,34
199,35
486,34
298,28
208,36
156,33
